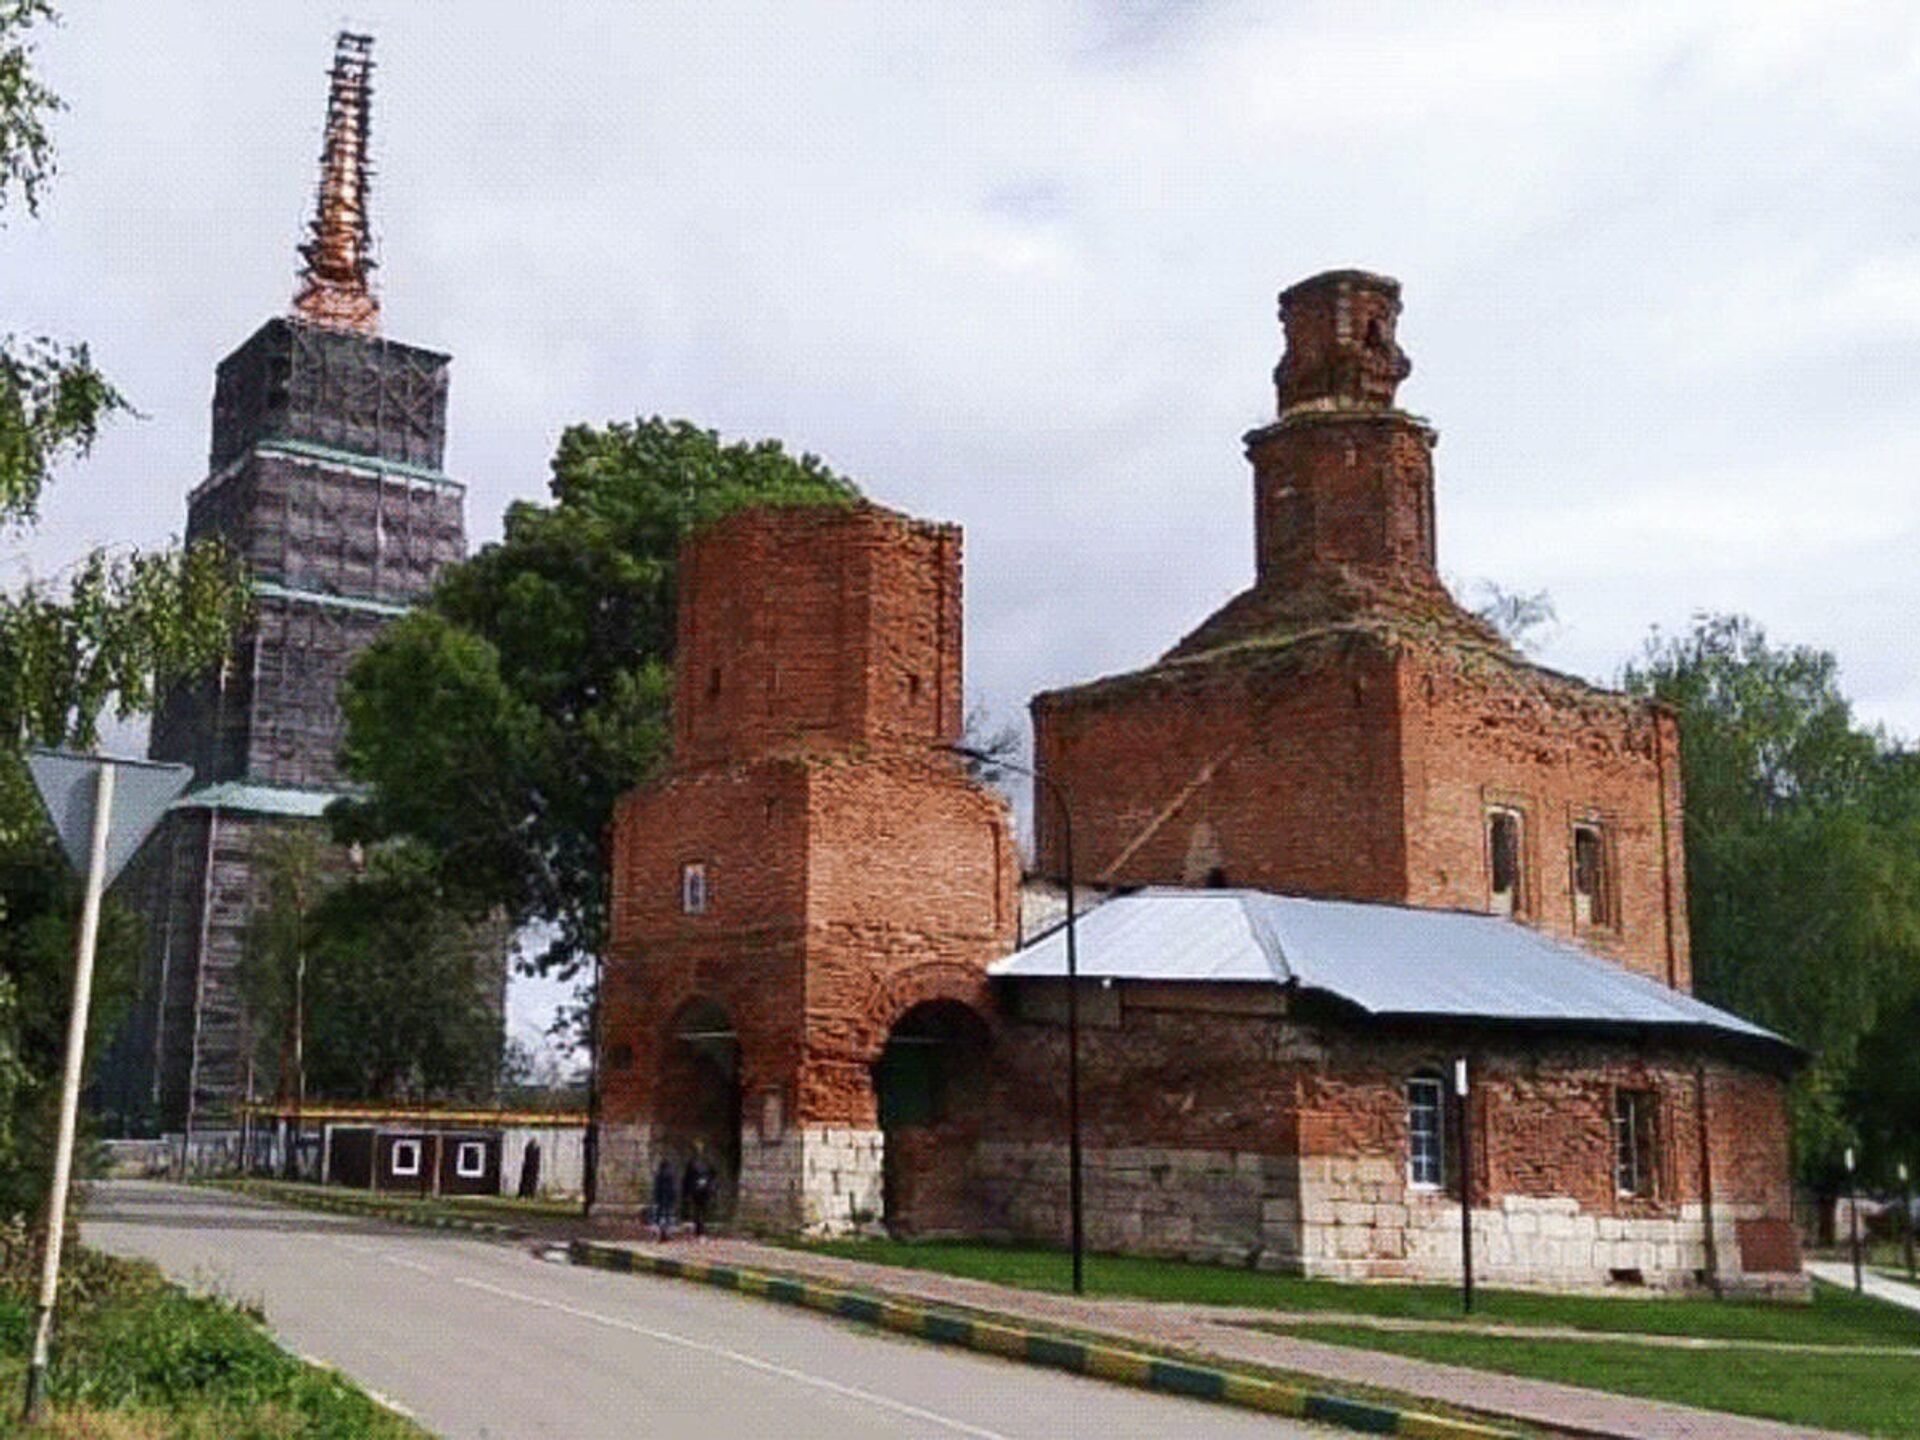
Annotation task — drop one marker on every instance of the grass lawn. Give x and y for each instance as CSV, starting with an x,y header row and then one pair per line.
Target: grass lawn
x,y
135,1358
1836,1317
1868,1395
504,1209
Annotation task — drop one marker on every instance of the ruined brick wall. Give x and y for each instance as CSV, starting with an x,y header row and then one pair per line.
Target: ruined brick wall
x,y
1279,769
1558,752
820,625
853,870
1219,1125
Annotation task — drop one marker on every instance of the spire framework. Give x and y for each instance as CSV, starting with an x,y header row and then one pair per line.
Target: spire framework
x,y
335,283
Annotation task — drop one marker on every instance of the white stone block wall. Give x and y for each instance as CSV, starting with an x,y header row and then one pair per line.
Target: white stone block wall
x,y
821,1179
625,1181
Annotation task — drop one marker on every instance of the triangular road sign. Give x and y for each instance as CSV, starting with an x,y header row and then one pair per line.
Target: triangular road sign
x,y
142,791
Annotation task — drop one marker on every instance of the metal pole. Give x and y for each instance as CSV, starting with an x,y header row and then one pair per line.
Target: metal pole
x,y
1853,1222
1906,1188
1075,1206
1463,1088
70,1092
590,1142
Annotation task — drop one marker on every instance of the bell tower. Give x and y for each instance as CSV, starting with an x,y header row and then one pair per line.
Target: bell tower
x,y
1343,480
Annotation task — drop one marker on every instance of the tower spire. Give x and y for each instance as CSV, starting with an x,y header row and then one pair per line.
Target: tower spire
x,y
334,285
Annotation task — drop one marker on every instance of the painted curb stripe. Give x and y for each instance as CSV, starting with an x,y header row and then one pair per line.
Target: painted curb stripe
x,y
1035,1347
1372,1419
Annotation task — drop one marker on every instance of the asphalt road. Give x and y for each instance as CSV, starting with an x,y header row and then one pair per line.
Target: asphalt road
x,y
485,1340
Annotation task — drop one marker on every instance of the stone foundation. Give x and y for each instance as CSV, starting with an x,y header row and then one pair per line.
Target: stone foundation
x,y
1343,1219
820,1180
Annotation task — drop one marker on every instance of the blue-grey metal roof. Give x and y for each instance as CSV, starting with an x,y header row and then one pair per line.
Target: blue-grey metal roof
x,y
258,799
1389,960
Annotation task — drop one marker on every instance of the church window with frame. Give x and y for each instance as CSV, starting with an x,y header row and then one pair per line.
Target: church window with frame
x,y
693,889
1506,870
1636,1149
1595,901
1426,1132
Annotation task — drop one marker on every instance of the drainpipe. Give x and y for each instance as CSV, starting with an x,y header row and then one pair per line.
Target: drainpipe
x,y
1666,850
1706,1178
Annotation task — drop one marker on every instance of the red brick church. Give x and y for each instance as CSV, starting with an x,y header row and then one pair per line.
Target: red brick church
x,y
1339,838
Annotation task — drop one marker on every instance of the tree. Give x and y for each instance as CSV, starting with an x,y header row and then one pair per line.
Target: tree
x,y
1526,620
278,945
1803,856
93,641
398,999
497,725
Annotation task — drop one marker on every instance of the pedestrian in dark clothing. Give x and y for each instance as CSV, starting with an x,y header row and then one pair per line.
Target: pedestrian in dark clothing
x,y
697,1185
530,1170
664,1197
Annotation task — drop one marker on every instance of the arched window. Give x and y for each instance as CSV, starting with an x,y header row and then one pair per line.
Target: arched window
x,y
1426,1132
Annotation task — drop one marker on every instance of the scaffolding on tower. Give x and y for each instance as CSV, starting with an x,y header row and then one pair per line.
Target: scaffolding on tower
x,y
335,287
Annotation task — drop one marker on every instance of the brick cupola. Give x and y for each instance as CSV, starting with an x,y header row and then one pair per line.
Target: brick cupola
x,y
1342,479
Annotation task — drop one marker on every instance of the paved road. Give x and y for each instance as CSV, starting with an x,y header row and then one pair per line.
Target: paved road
x,y
484,1340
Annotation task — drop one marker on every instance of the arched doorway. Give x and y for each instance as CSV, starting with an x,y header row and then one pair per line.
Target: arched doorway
x,y
930,1083
699,1095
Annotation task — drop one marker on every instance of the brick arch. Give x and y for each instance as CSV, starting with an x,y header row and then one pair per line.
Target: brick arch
x,y
902,990
698,1061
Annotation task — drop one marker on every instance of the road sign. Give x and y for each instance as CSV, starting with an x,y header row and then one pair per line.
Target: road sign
x,y
142,790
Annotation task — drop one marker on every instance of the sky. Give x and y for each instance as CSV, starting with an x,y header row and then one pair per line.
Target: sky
x,y
1015,266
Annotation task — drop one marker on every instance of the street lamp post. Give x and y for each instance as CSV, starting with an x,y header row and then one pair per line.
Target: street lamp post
x,y
1076,1217
1906,1214
1853,1221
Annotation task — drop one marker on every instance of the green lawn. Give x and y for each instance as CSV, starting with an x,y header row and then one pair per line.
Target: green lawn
x,y
1836,1317
1868,1395
136,1358
503,1209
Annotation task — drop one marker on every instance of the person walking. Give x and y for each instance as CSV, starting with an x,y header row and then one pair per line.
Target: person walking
x,y
697,1185
664,1198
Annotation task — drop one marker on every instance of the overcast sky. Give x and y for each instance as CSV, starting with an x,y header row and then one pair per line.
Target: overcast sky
x,y
1015,266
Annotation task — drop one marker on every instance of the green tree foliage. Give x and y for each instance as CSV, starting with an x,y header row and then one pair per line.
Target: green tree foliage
x,y
276,951
402,1000
91,642
497,725
1803,857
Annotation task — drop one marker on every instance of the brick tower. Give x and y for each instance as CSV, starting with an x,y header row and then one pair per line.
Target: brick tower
x,y
324,477
805,903
1344,728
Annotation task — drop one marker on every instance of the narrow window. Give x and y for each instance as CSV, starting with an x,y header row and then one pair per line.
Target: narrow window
x,y
406,1157
1503,862
713,683
693,889
1635,1142
470,1160
1426,1132
1593,892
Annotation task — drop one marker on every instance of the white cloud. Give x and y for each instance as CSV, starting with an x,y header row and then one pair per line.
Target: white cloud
x,y
1015,266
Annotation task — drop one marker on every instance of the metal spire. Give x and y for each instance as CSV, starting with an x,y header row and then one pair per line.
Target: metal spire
x,y
334,283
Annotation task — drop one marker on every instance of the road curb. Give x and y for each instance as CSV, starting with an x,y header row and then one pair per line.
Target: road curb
x,y
1003,1335
1014,1339
373,1210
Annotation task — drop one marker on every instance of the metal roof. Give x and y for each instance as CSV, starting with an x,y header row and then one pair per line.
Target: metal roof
x,y
1389,960
258,799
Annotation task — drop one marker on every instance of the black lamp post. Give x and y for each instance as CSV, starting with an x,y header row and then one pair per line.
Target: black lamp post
x,y
1853,1221
1075,1208
1906,1214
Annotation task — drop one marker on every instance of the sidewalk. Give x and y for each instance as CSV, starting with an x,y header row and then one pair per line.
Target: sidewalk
x,y
1197,1329
1894,1292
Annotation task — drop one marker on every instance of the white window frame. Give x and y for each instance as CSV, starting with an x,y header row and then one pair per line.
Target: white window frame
x,y
693,888
414,1148
1636,1143
478,1150
1434,1097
